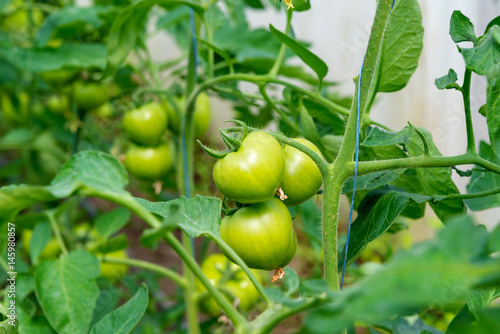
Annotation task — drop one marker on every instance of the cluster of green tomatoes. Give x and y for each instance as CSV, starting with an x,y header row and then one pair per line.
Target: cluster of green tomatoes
x,y
260,231
149,156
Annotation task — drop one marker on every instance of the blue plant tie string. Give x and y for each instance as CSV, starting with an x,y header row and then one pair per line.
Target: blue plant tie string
x,y
356,163
187,183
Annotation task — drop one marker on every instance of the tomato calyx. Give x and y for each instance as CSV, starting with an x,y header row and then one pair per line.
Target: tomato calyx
x,y
231,142
278,274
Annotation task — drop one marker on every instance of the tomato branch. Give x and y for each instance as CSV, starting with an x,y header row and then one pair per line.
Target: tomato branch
x,y
366,167
471,142
168,273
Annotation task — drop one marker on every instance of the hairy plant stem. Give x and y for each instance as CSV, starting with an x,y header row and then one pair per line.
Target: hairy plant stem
x,y
471,142
366,167
130,203
168,273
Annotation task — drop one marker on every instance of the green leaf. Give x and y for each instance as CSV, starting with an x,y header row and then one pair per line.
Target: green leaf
x,y
111,222
379,137
301,5
75,56
254,4
372,181
461,28
481,299
114,244
75,19
129,25
494,244
376,212
436,181
171,214
403,42
494,22
41,236
125,318
313,61
15,198
484,181
484,58
291,281
493,112
449,81
198,216
410,182
67,291
331,146
413,280
126,28
90,170
307,127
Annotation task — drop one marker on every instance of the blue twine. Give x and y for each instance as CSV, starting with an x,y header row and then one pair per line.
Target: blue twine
x,y
356,163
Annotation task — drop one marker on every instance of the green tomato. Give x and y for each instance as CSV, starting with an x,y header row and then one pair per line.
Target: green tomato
x,y
253,173
201,115
51,250
58,104
57,77
146,124
114,271
302,177
90,95
149,162
291,251
261,234
230,278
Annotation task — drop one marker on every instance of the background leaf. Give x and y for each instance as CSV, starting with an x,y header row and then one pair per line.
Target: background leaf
x,y
198,216
461,28
484,58
123,319
74,56
376,212
41,234
493,112
483,181
379,137
403,42
436,181
15,198
111,222
313,61
448,81
67,291
90,170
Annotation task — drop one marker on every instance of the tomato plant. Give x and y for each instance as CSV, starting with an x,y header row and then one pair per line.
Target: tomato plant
x,y
87,249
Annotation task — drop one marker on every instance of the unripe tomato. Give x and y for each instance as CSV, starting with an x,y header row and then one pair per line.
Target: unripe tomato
x,y
261,234
148,162
201,115
302,177
291,251
114,271
253,173
51,250
146,124
57,77
228,276
58,104
90,95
